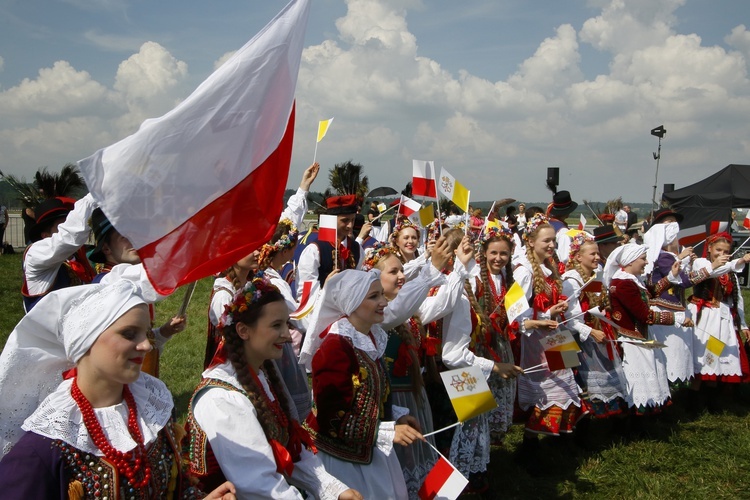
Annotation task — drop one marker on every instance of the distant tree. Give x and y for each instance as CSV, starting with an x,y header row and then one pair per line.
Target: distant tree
x,y
347,178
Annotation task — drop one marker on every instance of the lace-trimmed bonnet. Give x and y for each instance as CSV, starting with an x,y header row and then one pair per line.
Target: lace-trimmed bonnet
x,y
342,294
50,339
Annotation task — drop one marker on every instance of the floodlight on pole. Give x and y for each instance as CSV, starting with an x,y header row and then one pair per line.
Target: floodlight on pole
x,y
659,132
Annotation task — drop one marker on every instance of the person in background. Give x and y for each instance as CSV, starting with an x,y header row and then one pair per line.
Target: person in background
x,y
3,223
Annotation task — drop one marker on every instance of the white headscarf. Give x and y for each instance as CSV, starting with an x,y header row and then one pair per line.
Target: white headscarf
x,y
656,238
619,258
50,339
342,295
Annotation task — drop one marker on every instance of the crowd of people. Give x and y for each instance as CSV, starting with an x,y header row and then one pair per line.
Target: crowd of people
x,y
321,373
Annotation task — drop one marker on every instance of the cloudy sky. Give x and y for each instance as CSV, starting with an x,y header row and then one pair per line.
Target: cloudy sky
x,y
494,90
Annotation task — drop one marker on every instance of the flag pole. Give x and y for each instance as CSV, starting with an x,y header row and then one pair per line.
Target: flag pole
x,y
486,219
439,222
468,217
315,155
441,430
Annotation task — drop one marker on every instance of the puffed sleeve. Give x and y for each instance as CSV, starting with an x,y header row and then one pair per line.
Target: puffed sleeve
x,y
43,258
296,207
457,337
411,296
33,469
231,424
570,290
307,267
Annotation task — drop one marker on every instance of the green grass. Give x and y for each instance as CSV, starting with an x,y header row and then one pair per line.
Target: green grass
x,y
680,457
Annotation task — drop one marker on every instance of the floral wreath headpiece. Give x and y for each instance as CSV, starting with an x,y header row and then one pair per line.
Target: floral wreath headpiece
x,y
577,241
376,253
402,224
251,293
534,223
286,241
494,230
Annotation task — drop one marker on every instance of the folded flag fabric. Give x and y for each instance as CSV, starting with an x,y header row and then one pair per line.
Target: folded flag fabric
x,y
582,223
382,207
714,348
443,482
691,235
423,179
323,128
515,302
560,340
310,291
717,227
598,313
560,360
425,216
327,228
201,187
408,207
453,190
468,391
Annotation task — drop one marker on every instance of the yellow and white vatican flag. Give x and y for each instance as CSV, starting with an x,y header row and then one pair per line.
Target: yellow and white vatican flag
x,y
469,393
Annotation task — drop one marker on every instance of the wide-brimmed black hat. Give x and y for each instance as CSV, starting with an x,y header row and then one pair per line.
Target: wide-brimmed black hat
x,y
47,211
607,234
663,213
101,226
562,204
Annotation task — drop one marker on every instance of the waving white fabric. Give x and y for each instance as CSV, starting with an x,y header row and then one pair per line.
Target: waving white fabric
x,y
656,238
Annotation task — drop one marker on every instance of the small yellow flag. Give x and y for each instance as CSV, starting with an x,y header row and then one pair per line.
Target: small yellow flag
x,y
468,391
515,302
714,345
426,215
323,128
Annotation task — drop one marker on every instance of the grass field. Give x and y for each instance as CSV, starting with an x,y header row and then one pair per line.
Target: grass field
x,y
680,457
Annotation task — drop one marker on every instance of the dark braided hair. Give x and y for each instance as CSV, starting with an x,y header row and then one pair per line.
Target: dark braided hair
x,y
235,347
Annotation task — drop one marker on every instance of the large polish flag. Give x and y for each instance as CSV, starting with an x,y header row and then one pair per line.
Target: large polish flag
x,y
423,179
202,186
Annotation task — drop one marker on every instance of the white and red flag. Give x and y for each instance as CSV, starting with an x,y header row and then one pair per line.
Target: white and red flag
x,y
582,223
423,179
746,222
327,228
690,236
443,482
407,206
717,226
202,186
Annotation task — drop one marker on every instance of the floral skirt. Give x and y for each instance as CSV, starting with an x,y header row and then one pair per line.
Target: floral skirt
x,y
555,420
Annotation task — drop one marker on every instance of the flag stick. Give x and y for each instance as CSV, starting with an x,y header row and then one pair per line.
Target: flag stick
x,y
385,212
441,430
468,217
592,211
315,155
486,219
189,289
440,223
699,243
739,247
526,372
572,317
535,366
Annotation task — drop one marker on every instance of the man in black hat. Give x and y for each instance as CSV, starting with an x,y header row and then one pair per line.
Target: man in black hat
x,y
559,210
607,238
317,259
56,258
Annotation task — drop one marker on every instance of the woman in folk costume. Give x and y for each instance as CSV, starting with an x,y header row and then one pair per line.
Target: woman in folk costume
x,y
495,248
235,277
600,372
718,309
405,240
470,447
106,430
663,250
403,356
551,397
273,256
354,425
240,418
644,367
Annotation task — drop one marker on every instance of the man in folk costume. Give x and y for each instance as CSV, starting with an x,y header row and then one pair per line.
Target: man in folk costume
x,y
607,237
56,258
561,208
320,258
112,248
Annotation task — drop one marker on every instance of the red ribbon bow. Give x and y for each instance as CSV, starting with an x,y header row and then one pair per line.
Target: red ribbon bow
x,y
344,253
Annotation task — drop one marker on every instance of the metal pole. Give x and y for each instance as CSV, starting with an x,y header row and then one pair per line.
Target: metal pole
x,y
657,157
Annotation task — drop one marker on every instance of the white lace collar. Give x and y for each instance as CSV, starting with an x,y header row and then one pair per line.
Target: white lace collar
x,y
362,341
58,417
225,372
622,275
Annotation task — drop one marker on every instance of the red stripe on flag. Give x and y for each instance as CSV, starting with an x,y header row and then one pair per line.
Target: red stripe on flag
x,y
227,229
423,187
435,479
